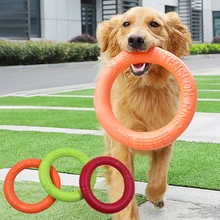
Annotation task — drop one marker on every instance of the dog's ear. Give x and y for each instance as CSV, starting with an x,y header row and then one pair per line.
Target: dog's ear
x,y
179,35
106,33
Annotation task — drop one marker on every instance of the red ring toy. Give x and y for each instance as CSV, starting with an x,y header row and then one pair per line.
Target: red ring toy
x,y
84,182
12,198
154,139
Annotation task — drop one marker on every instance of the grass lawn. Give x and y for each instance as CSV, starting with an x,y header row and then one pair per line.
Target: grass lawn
x,y
193,164
202,83
208,86
209,95
208,78
16,146
70,119
47,101
208,81
50,118
78,92
31,192
211,107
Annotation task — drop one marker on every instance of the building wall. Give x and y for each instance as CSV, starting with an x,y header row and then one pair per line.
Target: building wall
x,y
207,21
60,19
98,11
208,7
215,5
159,4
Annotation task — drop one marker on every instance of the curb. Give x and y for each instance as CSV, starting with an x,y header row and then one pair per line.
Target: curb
x,y
76,65
51,90
58,108
198,56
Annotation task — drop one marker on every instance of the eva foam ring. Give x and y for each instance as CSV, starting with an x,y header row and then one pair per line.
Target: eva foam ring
x,y
154,139
11,196
45,179
88,195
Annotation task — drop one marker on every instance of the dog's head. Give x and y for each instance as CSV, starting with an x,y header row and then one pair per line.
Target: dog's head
x,y
140,29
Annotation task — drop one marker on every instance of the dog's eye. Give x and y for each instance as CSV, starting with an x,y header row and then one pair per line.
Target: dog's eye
x,y
154,24
126,24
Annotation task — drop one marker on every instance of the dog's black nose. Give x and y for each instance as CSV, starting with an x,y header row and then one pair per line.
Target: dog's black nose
x,y
137,41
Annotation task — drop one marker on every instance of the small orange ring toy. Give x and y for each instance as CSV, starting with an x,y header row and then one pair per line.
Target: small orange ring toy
x,y
10,193
154,139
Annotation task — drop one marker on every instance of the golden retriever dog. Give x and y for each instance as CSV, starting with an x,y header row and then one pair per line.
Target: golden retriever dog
x,y
144,97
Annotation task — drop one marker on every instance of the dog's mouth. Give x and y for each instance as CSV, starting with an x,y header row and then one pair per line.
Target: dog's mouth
x,y
140,68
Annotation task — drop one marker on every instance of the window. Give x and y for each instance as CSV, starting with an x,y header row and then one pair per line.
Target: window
x,y
88,17
91,2
112,7
35,18
129,4
169,8
19,19
13,19
216,23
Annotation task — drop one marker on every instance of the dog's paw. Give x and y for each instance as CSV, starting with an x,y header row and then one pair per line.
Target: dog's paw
x,y
159,204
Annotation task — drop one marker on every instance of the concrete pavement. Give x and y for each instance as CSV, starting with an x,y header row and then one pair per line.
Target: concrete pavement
x,y
51,90
204,127
34,77
185,204
24,78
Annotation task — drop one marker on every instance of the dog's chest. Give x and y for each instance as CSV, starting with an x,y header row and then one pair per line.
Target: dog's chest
x,y
147,109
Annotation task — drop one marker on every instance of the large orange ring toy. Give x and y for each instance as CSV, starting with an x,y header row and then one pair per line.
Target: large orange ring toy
x,y
154,139
10,192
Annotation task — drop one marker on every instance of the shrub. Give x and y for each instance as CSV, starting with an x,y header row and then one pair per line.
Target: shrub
x,y
216,40
45,52
204,48
84,38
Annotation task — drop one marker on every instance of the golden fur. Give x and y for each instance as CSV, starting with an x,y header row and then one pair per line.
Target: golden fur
x,y
142,103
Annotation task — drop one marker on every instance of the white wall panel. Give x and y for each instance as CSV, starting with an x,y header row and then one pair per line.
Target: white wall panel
x,y
60,19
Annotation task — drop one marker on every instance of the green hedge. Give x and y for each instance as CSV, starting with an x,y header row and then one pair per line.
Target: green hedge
x,y
43,52
19,53
204,48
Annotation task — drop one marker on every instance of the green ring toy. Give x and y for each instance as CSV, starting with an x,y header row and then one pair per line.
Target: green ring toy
x,y
46,182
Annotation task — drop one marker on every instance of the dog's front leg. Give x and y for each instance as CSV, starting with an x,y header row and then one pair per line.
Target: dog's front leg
x,y
115,180
157,175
